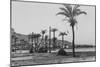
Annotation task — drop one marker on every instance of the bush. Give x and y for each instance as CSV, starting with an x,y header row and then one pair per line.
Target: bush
x,y
42,50
31,50
62,52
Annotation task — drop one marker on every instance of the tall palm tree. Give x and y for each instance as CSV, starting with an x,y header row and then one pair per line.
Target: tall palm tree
x,y
46,40
32,38
71,12
49,39
37,36
62,34
54,38
43,32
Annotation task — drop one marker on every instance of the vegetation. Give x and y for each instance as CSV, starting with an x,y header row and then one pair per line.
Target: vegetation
x,y
62,34
42,43
70,14
54,38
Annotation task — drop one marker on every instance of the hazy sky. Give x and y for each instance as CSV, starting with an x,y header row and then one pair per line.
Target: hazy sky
x,y
30,17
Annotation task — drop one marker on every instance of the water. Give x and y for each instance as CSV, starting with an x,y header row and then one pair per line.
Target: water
x,y
77,50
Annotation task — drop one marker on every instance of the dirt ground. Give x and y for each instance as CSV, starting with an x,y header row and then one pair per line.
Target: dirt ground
x,y
49,58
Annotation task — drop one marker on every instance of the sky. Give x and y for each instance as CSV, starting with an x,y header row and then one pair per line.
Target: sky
x,y
30,17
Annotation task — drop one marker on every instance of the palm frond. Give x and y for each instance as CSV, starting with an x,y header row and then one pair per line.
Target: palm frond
x,y
54,29
81,12
65,33
62,33
75,11
72,21
76,7
68,8
63,9
43,31
63,13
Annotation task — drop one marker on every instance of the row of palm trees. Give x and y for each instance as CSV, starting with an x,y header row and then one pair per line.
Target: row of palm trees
x,y
44,38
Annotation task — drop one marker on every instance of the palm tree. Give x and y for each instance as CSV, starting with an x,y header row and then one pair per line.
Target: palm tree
x,y
22,43
43,32
49,40
46,40
70,13
54,38
31,37
37,36
62,34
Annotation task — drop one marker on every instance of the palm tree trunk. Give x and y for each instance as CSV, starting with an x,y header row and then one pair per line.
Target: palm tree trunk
x,y
54,39
43,39
49,39
35,44
54,34
62,41
73,41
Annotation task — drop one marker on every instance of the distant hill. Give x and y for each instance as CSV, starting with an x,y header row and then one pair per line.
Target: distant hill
x,y
59,42
25,37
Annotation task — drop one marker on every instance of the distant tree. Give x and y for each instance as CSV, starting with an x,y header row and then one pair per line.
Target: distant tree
x,y
15,40
31,38
54,38
43,33
46,41
22,41
62,34
37,38
71,12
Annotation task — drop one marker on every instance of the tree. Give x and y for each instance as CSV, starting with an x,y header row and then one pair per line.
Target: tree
x,y
43,32
54,38
31,37
15,40
37,39
49,40
62,34
71,12
46,40
23,44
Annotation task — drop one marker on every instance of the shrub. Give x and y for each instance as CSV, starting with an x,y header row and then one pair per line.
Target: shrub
x,y
62,52
42,50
